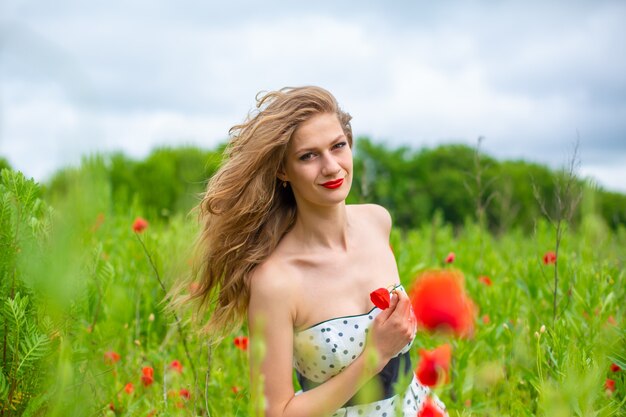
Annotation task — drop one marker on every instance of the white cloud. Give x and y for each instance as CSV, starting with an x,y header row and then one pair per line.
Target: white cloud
x,y
131,77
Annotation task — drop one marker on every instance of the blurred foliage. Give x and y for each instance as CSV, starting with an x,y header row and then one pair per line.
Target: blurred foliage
x,y
24,339
4,164
455,180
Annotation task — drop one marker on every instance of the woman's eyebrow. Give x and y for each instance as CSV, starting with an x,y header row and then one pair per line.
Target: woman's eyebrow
x,y
337,139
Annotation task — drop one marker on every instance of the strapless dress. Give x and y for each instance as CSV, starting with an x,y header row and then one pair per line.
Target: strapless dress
x,y
326,348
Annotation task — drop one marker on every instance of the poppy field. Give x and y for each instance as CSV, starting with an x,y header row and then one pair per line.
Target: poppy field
x,y
86,329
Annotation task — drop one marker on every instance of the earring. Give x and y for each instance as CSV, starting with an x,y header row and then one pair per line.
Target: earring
x,y
284,184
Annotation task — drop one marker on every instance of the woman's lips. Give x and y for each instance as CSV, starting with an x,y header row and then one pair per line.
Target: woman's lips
x,y
333,184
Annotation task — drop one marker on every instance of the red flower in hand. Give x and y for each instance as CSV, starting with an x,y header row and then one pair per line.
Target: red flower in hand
x,y
439,300
147,376
241,342
139,225
549,258
430,409
380,298
434,365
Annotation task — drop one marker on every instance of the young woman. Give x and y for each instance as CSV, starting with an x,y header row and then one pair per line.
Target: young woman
x,y
281,245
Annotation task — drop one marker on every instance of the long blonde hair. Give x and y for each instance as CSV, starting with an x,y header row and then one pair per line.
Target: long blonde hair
x,y
245,210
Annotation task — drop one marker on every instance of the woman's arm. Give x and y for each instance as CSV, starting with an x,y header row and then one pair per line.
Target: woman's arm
x,y
271,312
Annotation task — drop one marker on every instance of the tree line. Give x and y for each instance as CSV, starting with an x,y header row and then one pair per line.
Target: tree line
x,y
456,182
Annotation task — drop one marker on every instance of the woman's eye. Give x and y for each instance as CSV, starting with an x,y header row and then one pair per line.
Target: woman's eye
x,y
306,156
340,144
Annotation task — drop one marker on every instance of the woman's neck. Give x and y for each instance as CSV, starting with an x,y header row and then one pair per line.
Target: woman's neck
x,y
325,228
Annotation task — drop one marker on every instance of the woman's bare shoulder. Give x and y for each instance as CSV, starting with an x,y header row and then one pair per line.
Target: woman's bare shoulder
x,y
271,285
373,214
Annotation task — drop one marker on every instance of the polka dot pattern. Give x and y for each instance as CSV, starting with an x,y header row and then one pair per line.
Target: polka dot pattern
x,y
325,349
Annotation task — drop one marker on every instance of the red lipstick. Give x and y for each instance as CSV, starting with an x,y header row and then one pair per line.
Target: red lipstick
x,y
333,184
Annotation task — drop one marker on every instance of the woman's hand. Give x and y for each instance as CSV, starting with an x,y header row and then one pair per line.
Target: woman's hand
x,y
393,328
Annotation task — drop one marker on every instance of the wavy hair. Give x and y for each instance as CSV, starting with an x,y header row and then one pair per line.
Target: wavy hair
x,y
245,211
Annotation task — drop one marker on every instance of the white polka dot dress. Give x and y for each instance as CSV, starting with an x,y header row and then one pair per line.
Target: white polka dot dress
x,y
325,349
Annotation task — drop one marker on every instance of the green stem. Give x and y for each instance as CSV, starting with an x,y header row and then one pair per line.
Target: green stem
x,y
176,318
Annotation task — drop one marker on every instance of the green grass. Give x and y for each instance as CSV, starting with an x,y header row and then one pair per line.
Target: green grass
x,y
93,290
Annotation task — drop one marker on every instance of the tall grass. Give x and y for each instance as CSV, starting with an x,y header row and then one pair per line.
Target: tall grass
x,y
87,289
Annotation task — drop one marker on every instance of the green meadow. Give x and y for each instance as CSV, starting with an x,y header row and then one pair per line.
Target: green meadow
x,y
83,306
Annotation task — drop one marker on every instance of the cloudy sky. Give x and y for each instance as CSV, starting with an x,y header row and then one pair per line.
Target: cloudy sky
x,y
531,77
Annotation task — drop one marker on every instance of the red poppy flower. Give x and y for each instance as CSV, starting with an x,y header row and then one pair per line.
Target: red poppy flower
x,y
129,388
615,367
147,376
486,319
176,366
111,357
450,258
139,225
609,385
549,258
430,409
485,280
235,389
380,298
434,365
439,301
241,342
184,393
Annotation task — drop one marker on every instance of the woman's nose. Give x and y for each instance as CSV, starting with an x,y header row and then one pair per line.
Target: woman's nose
x,y
331,166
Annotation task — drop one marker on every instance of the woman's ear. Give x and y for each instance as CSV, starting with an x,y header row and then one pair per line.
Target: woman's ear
x,y
281,175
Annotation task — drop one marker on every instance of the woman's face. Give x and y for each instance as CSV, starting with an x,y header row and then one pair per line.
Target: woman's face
x,y
318,163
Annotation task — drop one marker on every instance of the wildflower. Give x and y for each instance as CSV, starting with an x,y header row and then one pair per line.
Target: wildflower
x,y
241,342
129,388
450,258
111,407
176,366
179,404
151,413
380,298
434,365
486,319
111,357
139,225
147,376
439,300
98,222
184,393
542,329
235,389
609,385
485,280
615,367
611,320
549,258
430,409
